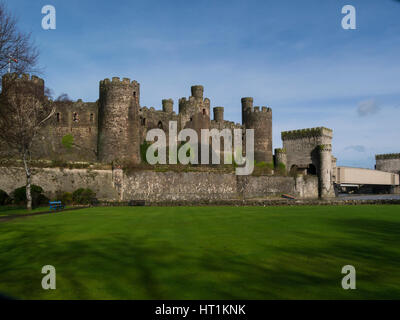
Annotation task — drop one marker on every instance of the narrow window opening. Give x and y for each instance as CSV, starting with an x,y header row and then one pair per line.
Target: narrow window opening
x,y
75,117
58,116
91,117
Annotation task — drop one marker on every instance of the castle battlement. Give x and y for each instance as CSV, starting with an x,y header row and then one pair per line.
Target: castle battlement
x,y
387,156
15,77
117,81
145,109
262,109
307,133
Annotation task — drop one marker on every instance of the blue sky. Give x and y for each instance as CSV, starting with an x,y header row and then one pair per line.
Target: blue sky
x,y
293,56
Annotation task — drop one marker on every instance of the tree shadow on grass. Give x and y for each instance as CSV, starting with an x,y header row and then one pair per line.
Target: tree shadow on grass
x,y
120,266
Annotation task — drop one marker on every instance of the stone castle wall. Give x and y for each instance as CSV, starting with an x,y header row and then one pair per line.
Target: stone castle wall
x,y
388,162
74,119
151,118
115,185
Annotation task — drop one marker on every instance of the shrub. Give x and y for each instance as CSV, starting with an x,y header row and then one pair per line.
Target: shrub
x,y
4,198
83,196
38,198
64,197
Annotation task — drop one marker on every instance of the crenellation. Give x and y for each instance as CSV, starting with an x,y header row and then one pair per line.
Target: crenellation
x,y
309,132
14,79
387,156
266,109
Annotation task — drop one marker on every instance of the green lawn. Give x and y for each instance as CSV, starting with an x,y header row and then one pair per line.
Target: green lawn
x,y
11,210
204,253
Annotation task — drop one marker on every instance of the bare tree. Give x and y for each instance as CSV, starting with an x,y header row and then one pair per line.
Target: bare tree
x,y
48,92
24,109
64,98
15,45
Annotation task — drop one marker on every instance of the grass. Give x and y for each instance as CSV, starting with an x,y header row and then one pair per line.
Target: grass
x,y
11,210
204,253
17,210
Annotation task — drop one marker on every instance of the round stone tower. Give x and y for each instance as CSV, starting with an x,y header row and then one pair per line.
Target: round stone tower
x,y
326,189
167,105
197,91
261,122
247,107
195,112
218,114
118,138
280,157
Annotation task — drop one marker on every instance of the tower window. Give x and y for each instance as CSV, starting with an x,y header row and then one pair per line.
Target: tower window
x,y
160,126
75,117
91,117
134,94
58,117
204,112
143,121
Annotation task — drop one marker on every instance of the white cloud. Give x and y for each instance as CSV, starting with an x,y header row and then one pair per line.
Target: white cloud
x,y
358,148
367,107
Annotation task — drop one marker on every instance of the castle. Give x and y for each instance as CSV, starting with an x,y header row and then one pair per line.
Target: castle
x,y
114,127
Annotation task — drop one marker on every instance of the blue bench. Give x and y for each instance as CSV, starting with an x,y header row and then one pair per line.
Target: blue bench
x,y
55,205
288,196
